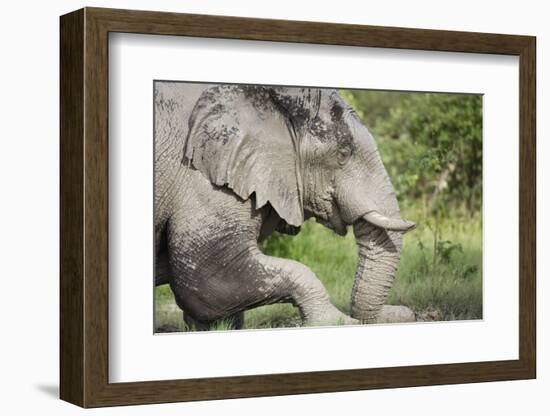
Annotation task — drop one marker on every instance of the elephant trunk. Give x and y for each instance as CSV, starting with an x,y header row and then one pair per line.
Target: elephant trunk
x,y
379,254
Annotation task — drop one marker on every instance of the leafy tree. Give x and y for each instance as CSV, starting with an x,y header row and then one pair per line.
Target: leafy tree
x,y
431,144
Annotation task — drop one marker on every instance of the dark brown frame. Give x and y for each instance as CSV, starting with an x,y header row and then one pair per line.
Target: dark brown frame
x,y
84,209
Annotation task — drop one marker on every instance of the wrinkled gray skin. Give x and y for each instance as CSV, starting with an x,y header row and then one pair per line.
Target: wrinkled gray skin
x,y
235,163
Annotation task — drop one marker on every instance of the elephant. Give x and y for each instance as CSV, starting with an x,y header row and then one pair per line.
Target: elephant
x,y
233,164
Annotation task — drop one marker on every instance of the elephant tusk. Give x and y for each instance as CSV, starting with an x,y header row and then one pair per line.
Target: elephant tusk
x,y
390,224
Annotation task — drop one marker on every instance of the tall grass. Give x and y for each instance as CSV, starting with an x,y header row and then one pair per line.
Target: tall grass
x,y
440,273
439,277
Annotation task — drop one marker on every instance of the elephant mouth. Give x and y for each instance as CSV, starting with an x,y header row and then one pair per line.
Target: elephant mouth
x,y
335,224
332,219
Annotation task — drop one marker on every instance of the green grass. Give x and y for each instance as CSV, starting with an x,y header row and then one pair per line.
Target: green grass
x,y
441,269
439,276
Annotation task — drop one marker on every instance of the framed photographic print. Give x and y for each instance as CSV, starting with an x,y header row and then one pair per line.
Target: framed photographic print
x,y
261,207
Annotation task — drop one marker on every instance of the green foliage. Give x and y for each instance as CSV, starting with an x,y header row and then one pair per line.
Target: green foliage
x,y
431,144
441,266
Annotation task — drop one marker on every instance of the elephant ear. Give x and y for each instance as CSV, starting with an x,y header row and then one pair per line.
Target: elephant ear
x,y
238,138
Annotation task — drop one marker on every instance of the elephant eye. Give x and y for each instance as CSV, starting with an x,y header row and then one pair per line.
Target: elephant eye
x,y
343,155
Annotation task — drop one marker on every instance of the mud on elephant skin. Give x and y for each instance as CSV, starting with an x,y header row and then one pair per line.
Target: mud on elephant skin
x,y
234,163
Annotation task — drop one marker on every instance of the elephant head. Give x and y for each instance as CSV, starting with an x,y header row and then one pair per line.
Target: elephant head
x,y
306,153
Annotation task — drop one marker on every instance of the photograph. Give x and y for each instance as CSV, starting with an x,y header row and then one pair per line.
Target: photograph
x,y
243,198
298,206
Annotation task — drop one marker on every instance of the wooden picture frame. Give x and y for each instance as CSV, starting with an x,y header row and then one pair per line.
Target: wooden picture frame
x,y
84,207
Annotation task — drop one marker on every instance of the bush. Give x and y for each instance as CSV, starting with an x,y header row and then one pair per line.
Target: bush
x,y
431,144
